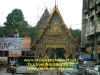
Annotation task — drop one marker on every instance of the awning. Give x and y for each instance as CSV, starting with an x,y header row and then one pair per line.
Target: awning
x,y
89,50
83,52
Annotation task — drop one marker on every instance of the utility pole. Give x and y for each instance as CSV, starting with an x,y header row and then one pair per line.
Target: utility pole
x,y
95,37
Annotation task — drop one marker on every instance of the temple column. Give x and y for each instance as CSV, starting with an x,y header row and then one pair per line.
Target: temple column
x,y
74,52
44,50
67,50
36,53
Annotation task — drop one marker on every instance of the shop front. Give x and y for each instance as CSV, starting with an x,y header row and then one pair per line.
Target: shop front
x,y
3,62
13,54
98,51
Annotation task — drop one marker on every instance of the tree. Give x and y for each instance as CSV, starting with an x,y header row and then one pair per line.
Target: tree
x,y
1,31
34,33
77,33
13,17
22,27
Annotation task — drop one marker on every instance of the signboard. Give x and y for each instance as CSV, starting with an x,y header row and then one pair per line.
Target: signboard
x,y
15,53
7,44
98,48
4,58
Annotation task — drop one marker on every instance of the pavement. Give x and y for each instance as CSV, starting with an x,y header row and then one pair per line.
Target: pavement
x,y
3,72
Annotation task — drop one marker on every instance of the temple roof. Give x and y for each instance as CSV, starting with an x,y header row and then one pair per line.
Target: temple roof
x,y
43,20
55,9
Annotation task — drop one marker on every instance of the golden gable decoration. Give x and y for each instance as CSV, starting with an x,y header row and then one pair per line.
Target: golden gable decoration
x,y
54,42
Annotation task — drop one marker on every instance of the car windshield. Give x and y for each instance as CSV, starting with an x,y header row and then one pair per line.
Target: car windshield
x,y
21,60
90,64
13,63
70,65
99,69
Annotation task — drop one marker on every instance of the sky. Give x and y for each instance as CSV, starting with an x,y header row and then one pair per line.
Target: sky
x,y
70,10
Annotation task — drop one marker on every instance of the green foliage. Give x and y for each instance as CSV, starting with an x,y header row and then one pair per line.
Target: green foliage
x,y
1,31
14,21
30,53
22,27
34,33
77,33
13,17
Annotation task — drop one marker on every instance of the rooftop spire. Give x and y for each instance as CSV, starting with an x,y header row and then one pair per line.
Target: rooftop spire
x,y
70,27
55,4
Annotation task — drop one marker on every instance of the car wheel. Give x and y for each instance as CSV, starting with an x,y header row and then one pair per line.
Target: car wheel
x,y
85,73
7,71
10,71
89,74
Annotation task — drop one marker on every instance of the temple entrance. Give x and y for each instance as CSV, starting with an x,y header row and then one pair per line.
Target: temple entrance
x,y
56,53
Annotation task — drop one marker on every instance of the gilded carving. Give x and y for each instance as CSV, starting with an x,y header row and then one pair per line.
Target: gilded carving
x,y
70,50
40,51
61,45
55,27
56,46
55,38
65,56
46,56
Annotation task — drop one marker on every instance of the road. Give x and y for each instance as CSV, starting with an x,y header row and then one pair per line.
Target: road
x,y
39,73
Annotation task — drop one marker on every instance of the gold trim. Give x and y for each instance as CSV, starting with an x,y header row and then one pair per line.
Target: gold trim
x,y
47,24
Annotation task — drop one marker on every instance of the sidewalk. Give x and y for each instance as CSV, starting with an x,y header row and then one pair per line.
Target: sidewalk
x,y
3,71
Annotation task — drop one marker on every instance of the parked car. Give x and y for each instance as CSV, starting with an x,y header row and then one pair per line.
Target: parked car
x,y
88,66
84,57
22,66
11,66
73,71
95,70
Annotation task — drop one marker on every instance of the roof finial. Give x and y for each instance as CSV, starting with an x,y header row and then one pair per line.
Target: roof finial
x,y
55,3
70,27
46,7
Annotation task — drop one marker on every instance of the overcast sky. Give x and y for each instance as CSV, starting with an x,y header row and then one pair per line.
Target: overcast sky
x,y
71,10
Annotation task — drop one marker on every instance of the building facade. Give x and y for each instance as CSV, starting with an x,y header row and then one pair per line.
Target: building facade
x,y
91,26
54,34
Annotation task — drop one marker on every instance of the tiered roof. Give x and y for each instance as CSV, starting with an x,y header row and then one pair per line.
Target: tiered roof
x,y
55,9
43,20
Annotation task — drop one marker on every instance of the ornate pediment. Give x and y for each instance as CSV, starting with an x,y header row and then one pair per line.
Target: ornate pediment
x,y
55,38
55,27
55,45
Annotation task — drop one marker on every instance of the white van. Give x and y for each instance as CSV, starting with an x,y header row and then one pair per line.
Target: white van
x,y
22,67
